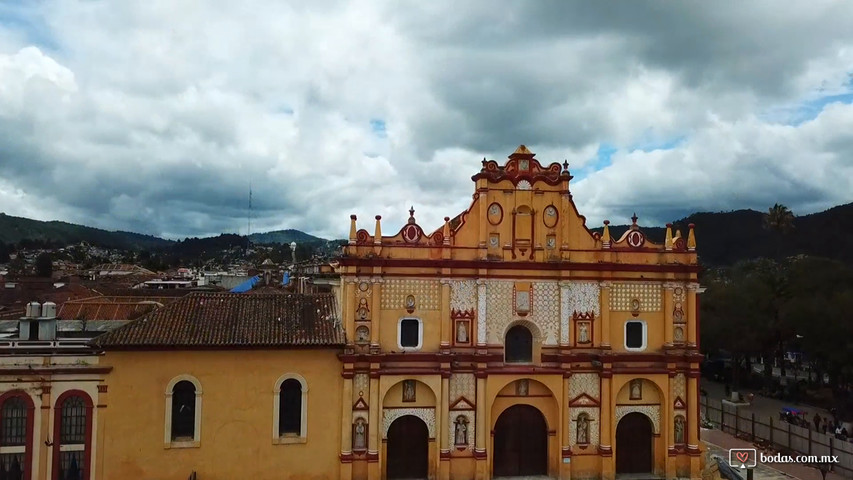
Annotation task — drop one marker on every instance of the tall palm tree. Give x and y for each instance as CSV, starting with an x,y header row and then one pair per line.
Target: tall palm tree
x,y
779,219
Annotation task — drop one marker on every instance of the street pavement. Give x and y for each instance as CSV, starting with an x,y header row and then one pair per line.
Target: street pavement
x,y
763,407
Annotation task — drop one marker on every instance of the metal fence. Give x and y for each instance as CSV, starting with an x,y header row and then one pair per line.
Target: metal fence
x,y
783,436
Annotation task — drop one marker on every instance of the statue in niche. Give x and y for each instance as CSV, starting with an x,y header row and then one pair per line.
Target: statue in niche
x,y
461,332
408,390
522,387
461,431
679,430
679,334
522,301
359,438
362,334
583,429
583,332
636,390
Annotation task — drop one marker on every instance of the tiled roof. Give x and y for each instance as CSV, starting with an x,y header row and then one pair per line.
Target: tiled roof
x,y
105,310
223,320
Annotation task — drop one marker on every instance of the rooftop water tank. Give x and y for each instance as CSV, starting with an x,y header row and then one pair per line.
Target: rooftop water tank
x,y
33,310
48,310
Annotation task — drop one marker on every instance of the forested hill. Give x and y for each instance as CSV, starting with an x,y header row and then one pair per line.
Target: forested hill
x,y
19,230
726,237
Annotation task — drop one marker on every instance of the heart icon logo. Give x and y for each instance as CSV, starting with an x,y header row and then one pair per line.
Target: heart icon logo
x,y
742,456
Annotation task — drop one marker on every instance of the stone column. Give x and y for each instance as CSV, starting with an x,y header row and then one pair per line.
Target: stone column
x,y
481,312
667,421
691,314
375,313
444,432
605,433
565,314
45,453
446,322
346,428
693,424
374,422
480,449
565,421
667,314
98,441
348,305
605,314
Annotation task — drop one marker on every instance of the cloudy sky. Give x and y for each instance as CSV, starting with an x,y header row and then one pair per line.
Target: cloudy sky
x,y
156,116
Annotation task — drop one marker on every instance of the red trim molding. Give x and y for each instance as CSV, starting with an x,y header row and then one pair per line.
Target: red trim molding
x,y
31,410
519,265
57,423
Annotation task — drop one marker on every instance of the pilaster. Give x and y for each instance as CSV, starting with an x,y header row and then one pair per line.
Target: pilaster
x,y
606,436
691,314
480,454
346,429
446,326
605,314
482,291
444,441
667,314
374,430
375,314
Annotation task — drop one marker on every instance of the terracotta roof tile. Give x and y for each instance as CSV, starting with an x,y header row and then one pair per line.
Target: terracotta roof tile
x,y
205,320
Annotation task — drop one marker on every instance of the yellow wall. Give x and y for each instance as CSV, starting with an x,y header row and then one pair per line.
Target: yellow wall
x,y
236,418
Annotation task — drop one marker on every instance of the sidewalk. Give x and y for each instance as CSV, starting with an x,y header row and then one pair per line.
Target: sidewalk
x,y
719,443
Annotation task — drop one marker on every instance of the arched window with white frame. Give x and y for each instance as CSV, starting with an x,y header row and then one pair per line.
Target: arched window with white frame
x,y
16,435
183,412
290,409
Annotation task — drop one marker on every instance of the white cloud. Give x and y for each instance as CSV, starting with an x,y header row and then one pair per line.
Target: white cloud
x,y
154,117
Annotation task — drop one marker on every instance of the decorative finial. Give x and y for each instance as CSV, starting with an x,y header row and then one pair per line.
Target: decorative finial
x,y
691,238
668,242
446,232
566,165
605,237
484,161
412,211
634,218
352,230
377,235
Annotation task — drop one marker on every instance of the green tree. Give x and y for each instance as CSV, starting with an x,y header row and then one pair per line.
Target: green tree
x,y
44,265
780,220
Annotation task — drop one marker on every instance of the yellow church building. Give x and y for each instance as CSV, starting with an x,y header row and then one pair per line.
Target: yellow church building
x,y
510,341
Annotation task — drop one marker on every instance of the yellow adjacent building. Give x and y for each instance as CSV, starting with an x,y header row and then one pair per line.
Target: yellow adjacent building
x,y
509,341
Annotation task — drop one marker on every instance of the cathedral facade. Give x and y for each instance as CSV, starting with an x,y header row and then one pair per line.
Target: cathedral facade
x,y
515,341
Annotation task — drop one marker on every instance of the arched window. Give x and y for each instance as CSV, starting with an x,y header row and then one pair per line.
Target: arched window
x,y
16,430
72,436
519,345
183,412
290,409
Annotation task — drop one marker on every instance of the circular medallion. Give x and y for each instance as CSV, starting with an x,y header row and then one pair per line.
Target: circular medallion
x,y
495,214
679,291
411,233
363,286
636,238
550,217
635,304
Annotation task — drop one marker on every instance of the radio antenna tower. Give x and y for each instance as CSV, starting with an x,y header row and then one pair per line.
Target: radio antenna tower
x,y
249,219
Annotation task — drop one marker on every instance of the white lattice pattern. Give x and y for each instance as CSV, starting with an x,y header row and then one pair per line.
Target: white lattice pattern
x,y
679,387
391,414
463,385
463,295
470,415
546,310
587,383
651,411
594,426
360,383
426,292
584,297
649,295
499,308
565,313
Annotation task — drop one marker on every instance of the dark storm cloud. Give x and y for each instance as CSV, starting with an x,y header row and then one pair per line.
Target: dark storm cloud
x,y
158,120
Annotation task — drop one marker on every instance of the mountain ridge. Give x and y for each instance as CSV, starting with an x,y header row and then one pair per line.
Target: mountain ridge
x,y
722,237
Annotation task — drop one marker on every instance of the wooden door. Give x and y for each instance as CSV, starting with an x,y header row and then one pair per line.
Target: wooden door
x,y
521,443
407,449
634,444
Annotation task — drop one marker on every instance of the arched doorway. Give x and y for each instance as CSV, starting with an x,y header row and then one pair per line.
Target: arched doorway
x,y
634,444
521,443
407,449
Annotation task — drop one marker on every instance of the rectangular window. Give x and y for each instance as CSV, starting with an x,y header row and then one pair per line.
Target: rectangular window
x,y
635,335
410,333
